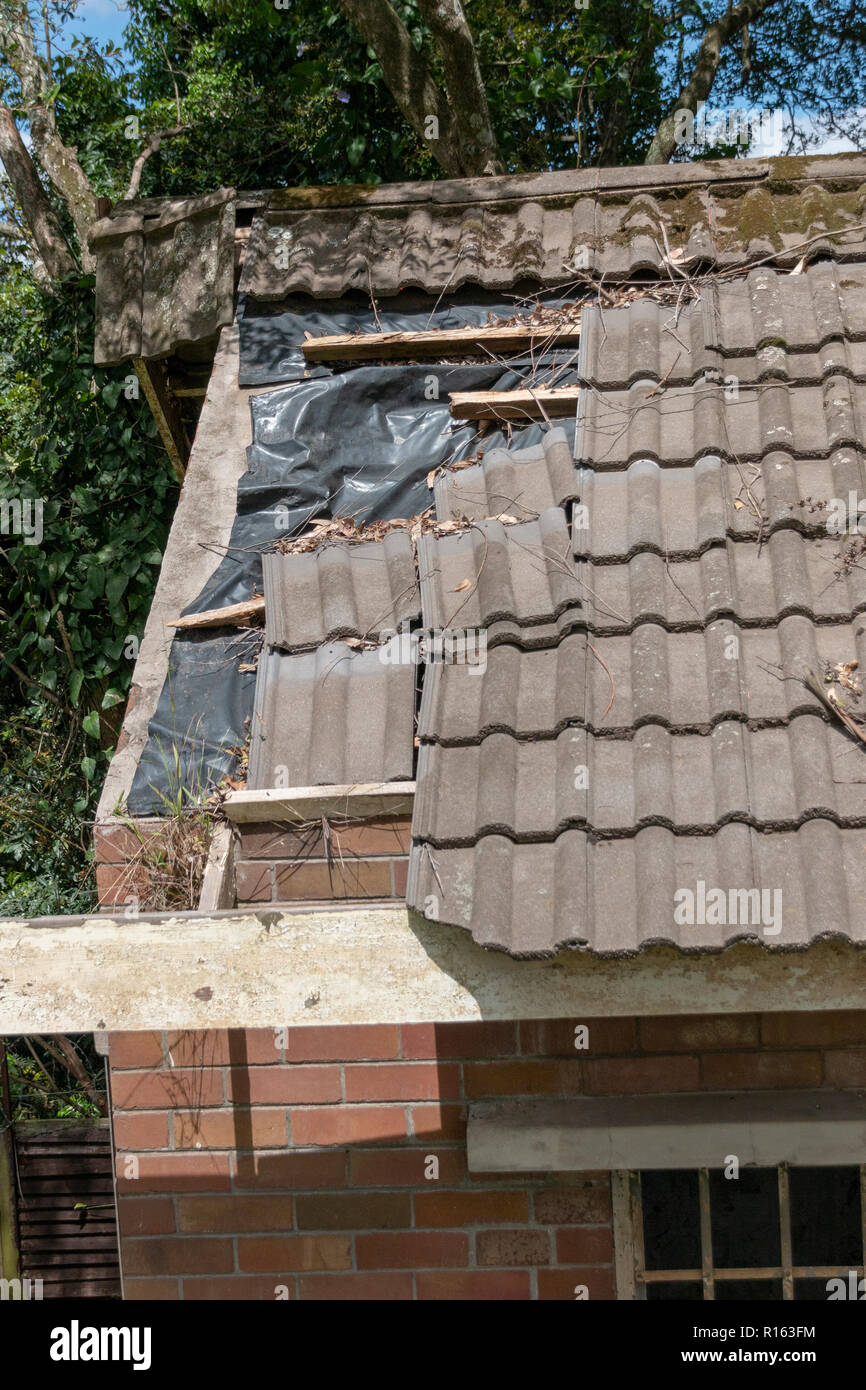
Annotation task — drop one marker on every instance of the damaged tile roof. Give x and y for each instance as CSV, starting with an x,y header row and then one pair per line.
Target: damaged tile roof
x,y
165,266
543,227
661,608
667,741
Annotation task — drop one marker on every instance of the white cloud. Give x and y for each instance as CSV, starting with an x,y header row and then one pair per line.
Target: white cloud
x,y
827,143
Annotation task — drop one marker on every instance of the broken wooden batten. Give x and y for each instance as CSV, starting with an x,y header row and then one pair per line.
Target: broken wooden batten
x,y
439,342
234,615
532,403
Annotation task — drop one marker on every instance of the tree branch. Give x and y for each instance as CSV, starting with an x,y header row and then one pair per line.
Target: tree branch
x,y
64,1052
60,161
150,148
463,82
40,216
411,84
699,85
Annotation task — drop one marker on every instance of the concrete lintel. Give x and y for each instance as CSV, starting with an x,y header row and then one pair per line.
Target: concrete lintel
x,y
295,805
762,1128
357,964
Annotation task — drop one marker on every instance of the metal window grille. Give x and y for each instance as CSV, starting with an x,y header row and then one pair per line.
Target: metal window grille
x,y
634,1279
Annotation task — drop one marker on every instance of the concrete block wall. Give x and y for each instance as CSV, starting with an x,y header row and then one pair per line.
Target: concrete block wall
x,y
266,1163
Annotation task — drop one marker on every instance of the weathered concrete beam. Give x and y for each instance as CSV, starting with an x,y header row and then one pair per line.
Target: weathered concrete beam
x,y
763,1128
370,964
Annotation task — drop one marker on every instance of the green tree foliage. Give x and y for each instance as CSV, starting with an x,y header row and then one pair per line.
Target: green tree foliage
x,y
42,1084
79,447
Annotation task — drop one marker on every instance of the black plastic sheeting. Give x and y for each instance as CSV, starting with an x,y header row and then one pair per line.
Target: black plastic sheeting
x,y
357,443
270,336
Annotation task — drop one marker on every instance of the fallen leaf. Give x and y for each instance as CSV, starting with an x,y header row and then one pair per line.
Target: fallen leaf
x,y
464,584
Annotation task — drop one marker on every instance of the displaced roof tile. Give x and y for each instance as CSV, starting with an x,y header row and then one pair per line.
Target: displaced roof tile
x,y
494,572
331,717
518,482
339,591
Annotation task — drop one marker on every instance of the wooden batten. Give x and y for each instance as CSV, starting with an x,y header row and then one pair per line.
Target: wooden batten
x,y
535,404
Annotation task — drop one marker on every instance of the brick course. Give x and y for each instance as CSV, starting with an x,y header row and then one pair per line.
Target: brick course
x,y
299,1162
364,859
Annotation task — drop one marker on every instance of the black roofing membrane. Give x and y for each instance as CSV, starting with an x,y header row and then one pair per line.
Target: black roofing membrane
x,y
358,443
271,334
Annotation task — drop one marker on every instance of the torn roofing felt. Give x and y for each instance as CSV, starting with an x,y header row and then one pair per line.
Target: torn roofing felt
x,y
670,739
358,443
271,335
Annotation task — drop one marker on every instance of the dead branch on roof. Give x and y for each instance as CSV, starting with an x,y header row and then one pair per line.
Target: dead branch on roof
x,y
831,700
344,530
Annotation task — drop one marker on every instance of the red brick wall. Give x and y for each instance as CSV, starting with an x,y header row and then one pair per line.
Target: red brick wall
x,y
243,1166
367,859
119,879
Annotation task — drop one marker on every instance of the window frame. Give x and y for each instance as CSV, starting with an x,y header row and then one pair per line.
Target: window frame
x,y
632,1278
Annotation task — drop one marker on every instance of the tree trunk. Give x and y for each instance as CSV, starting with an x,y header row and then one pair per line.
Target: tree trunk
x,y
463,85
699,85
41,218
458,151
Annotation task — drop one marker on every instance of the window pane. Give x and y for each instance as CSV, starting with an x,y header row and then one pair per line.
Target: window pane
x,y
671,1220
752,1290
815,1290
825,1216
674,1292
745,1219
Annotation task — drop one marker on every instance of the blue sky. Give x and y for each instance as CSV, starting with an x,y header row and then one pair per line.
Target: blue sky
x,y
100,19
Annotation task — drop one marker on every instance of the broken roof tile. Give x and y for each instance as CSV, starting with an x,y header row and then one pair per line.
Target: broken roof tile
x,y
521,483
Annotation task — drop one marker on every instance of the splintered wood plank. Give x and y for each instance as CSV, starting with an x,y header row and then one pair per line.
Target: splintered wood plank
x,y
438,342
235,615
515,405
